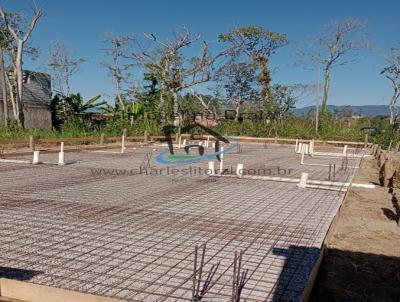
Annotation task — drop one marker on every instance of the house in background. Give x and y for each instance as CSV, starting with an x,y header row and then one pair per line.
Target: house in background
x,y
36,101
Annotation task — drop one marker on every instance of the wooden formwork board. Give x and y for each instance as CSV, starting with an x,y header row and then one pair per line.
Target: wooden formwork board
x,y
13,290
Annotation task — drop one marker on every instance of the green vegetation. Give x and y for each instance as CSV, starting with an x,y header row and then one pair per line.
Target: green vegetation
x,y
344,129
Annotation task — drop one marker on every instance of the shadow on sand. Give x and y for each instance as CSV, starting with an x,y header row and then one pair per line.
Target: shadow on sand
x,y
17,273
343,276
354,276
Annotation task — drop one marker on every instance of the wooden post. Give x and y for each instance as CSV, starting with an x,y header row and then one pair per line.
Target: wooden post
x,y
102,139
387,174
381,160
374,148
397,147
146,138
365,140
31,143
377,151
125,133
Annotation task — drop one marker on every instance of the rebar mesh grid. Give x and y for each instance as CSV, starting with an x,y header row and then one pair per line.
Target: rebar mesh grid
x,y
133,236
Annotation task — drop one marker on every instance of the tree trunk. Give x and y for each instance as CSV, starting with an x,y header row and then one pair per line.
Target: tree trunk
x,y
317,96
132,115
327,78
12,97
265,90
120,101
264,78
392,106
3,87
237,110
162,112
176,109
19,78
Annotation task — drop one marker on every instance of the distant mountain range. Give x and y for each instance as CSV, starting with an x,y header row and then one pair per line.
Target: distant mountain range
x,y
364,110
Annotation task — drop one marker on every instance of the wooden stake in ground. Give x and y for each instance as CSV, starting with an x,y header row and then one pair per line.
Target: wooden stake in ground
x,y
387,173
31,143
381,160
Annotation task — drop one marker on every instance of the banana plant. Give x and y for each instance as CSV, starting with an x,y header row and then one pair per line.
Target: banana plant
x,y
79,105
74,104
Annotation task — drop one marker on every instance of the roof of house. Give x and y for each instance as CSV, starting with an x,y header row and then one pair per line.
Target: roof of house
x,y
36,89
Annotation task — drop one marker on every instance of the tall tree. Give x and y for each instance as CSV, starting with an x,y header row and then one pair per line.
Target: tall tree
x,y
392,73
3,87
5,43
20,36
309,57
119,66
173,71
284,97
150,95
258,45
237,80
338,41
62,65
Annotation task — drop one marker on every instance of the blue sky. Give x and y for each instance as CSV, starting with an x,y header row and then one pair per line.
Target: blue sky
x,y
80,23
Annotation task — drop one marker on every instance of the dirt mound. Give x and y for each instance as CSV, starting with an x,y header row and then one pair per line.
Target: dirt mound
x,y
362,259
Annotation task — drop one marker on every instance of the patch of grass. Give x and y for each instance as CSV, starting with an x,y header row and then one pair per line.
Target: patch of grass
x,y
346,129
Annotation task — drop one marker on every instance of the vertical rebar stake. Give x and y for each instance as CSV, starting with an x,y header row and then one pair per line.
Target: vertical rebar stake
x,y
330,169
234,277
334,172
194,273
201,271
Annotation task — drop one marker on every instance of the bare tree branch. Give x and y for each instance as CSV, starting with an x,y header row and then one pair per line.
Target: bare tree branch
x,y
166,61
15,31
392,73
